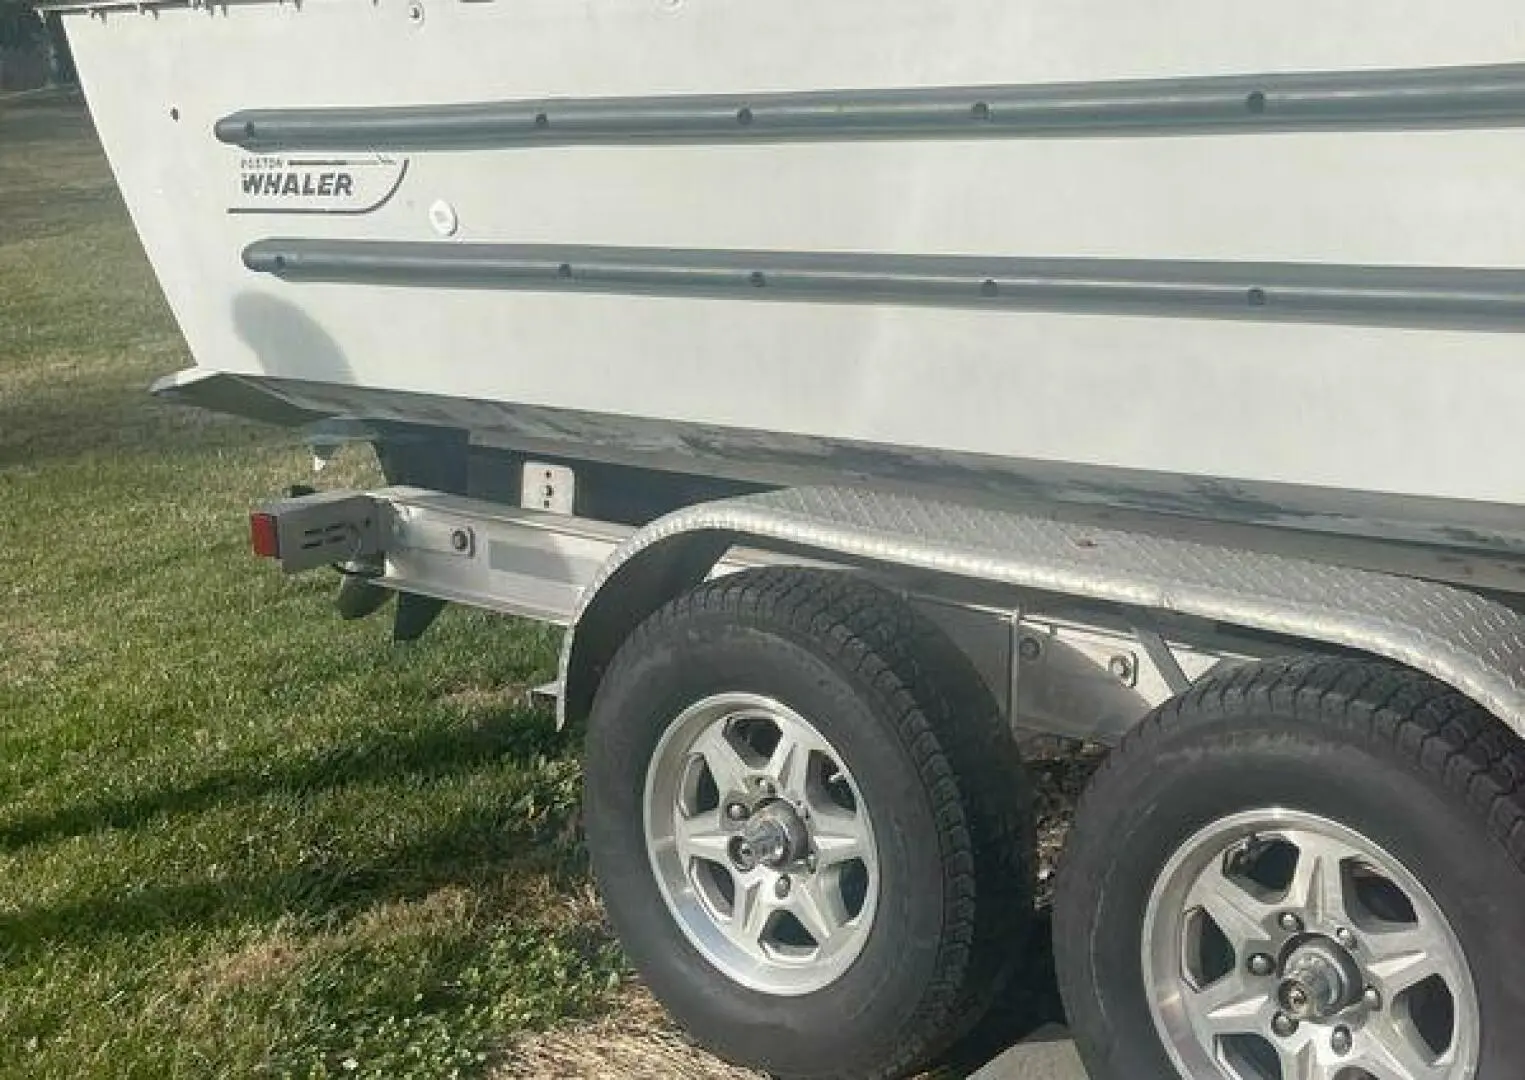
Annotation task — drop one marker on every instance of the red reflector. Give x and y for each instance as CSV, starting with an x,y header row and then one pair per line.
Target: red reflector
x,y
264,536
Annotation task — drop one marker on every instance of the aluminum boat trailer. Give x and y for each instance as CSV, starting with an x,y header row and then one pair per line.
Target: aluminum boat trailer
x,y
1290,735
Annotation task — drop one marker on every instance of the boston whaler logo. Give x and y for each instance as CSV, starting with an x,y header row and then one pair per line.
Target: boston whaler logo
x,y
276,182
354,184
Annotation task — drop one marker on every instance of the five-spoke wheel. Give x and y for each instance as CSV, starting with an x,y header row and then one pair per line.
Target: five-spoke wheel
x,y
1280,945
1300,870
761,844
809,824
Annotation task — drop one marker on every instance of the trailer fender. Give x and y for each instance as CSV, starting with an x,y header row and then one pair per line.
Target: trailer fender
x,y
1469,641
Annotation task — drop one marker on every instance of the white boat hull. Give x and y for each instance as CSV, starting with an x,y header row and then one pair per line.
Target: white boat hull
x,y
1287,375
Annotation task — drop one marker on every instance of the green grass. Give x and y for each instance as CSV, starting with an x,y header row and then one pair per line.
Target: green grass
x,y
238,837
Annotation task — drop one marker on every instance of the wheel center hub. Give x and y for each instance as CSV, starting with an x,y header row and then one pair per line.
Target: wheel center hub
x,y
775,836
1320,980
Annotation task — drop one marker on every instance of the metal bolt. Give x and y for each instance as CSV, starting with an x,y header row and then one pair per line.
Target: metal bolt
x,y
1339,1042
737,811
765,786
1372,999
1345,938
1261,964
1121,668
1296,998
1283,1025
1291,923
1030,649
782,886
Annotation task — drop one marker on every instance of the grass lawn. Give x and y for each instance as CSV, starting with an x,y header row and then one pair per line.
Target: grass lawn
x,y
238,837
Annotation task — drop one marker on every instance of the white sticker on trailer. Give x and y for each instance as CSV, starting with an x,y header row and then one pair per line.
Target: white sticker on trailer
x,y
314,184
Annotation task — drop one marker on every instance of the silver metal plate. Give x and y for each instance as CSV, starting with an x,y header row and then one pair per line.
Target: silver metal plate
x,y
1466,640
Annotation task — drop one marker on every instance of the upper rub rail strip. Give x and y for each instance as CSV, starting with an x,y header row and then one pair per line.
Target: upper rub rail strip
x,y
1477,96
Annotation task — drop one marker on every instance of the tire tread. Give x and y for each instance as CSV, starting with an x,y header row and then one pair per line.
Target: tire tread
x,y
949,725
1422,725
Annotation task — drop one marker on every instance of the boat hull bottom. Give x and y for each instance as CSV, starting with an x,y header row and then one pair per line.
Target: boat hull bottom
x,y
712,461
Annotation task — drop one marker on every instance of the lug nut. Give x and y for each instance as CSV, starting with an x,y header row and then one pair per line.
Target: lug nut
x,y
1291,923
737,811
1283,1025
742,855
1261,964
1372,999
1345,938
782,886
1339,1042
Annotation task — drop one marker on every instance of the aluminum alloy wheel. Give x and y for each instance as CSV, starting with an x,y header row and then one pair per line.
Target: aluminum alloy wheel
x,y
761,844
1280,945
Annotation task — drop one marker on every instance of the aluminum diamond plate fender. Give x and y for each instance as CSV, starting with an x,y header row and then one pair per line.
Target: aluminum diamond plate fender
x,y
1469,641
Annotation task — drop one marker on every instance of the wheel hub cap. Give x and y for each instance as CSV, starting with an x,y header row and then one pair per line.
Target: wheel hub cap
x,y
1321,980
774,837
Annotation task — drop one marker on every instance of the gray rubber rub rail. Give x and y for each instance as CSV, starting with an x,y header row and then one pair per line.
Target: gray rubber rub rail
x,y
1466,640
1418,297
1466,96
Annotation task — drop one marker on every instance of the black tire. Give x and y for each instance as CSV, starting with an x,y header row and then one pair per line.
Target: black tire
x,y
1396,756
935,763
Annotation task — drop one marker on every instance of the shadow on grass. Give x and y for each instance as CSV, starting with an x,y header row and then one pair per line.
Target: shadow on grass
x,y
429,755
476,846
40,428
